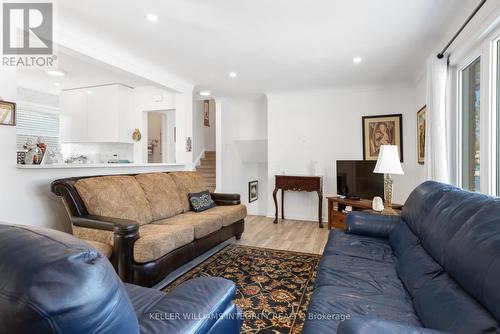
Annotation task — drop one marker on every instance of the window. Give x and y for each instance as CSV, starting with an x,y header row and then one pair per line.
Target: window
x,y
498,117
471,134
37,121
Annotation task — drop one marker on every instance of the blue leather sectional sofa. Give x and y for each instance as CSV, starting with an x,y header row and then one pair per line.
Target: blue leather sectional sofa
x,y
437,266
51,282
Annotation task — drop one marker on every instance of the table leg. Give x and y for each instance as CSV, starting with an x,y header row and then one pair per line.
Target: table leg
x,y
330,209
320,209
282,204
275,206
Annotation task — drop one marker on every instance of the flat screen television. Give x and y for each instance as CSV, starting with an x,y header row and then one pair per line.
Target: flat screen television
x,y
355,178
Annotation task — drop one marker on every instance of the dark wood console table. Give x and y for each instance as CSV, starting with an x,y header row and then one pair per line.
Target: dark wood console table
x,y
298,183
337,205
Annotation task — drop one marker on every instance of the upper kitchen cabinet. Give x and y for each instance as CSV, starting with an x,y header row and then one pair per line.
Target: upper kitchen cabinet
x,y
101,114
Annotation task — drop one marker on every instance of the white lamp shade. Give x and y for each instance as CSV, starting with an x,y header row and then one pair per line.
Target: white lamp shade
x,y
388,160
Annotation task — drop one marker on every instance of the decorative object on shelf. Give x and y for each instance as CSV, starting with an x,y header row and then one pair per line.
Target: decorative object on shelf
x,y
151,146
388,163
189,144
53,157
7,113
421,124
21,157
382,130
35,151
377,204
253,191
136,136
206,113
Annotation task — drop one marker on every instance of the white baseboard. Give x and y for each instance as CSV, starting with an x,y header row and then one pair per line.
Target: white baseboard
x,y
198,160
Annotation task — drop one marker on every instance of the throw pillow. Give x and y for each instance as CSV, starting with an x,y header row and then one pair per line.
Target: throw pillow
x,y
201,201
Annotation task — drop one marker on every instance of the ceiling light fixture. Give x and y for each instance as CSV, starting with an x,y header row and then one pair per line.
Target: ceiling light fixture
x,y
57,84
56,73
152,17
205,93
233,74
357,60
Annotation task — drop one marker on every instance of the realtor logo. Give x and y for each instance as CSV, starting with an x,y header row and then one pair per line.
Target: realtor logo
x,y
27,37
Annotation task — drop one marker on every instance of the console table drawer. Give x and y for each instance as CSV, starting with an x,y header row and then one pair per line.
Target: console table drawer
x,y
298,183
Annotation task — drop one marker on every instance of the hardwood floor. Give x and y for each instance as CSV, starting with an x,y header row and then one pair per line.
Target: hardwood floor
x,y
292,235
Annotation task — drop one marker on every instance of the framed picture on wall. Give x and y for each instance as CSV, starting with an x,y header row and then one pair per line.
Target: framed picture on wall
x,y
253,191
421,123
7,113
382,130
206,113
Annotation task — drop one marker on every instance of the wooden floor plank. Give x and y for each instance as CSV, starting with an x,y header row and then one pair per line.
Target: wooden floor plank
x,y
292,235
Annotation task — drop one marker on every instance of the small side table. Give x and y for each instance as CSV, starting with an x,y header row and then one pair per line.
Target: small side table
x,y
298,183
337,205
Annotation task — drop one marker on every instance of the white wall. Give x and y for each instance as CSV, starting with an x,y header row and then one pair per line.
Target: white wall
x,y
243,119
325,125
203,136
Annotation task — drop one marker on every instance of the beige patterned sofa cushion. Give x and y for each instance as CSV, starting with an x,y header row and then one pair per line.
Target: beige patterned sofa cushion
x,y
187,182
203,224
103,248
229,214
115,196
157,240
162,194
92,234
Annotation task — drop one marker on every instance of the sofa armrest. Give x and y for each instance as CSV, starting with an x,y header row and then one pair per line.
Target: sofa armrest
x,y
226,199
371,225
120,226
126,232
369,325
200,305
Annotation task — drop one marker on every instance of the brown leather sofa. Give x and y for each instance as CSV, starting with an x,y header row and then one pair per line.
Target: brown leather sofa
x,y
144,222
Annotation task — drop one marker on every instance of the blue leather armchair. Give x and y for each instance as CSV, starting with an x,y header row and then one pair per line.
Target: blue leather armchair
x,y
51,282
435,269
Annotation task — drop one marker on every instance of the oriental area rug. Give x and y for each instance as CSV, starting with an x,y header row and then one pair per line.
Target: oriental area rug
x,y
273,286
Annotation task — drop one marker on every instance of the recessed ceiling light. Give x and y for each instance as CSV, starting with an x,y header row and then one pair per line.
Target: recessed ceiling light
x,y
56,73
57,84
233,74
357,60
89,92
152,17
205,93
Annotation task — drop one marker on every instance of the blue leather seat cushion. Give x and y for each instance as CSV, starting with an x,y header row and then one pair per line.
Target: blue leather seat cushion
x,y
367,276
443,305
415,267
375,249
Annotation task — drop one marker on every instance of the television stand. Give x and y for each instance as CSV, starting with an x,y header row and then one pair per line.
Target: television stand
x,y
337,205
353,198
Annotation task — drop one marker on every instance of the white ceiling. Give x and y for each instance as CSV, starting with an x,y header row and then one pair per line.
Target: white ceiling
x,y
276,44
81,71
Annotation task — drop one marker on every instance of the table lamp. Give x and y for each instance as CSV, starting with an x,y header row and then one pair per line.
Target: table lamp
x,y
388,163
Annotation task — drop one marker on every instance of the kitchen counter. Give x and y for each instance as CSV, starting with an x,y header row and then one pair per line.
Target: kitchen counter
x,y
74,166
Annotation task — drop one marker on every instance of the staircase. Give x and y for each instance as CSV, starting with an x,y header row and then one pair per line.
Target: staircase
x,y
207,170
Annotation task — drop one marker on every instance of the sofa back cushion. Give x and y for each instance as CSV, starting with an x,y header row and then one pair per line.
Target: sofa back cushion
x,y
461,232
118,196
421,202
162,194
472,256
187,182
442,304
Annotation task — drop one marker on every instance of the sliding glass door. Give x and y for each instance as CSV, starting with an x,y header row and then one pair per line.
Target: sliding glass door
x,y
471,130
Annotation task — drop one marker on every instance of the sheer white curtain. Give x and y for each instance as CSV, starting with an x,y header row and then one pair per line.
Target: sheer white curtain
x,y
436,157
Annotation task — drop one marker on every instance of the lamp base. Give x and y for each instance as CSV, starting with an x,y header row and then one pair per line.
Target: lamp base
x,y
388,211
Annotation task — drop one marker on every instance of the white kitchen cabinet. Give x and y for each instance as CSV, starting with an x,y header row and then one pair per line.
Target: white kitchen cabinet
x,y
101,114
